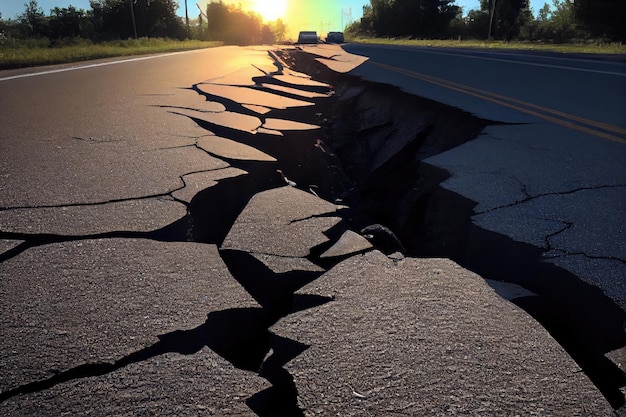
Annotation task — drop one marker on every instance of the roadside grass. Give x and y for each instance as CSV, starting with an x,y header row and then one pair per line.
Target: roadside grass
x,y
616,48
42,52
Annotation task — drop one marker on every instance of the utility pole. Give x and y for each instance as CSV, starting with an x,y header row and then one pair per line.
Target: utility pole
x,y
132,13
207,20
492,15
202,13
186,16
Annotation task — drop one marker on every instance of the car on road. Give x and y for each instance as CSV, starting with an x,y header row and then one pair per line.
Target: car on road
x,y
335,37
308,37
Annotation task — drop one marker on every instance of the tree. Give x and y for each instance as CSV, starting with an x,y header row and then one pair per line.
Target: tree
x,y
556,24
157,18
477,24
232,25
365,25
33,20
602,18
67,22
506,17
217,16
3,36
415,18
279,30
544,13
562,21
153,18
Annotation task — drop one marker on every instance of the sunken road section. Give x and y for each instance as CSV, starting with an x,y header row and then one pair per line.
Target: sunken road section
x,y
381,135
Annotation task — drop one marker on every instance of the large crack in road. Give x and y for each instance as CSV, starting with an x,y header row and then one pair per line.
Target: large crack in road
x,y
367,159
405,194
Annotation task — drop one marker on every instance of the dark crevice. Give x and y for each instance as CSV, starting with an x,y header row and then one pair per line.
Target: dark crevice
x,y
238,335
567,226
166,195
273,291
286,94
175,232
405,195
191,145
281,399
214,210
95,203
306,88
579,316
241,336
367,155
187,108
556,193
563,253
231,105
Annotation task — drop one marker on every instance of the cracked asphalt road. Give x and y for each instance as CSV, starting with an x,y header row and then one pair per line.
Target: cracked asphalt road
x,y
541,177
157,225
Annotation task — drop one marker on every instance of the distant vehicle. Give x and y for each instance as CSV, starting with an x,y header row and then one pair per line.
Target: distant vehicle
x,y
335,37
307,37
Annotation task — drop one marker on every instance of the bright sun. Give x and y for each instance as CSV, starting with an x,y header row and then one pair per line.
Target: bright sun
x,y
270,9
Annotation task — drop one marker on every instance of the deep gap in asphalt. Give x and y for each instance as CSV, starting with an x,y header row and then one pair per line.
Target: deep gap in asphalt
x,y
239,335
373,140
213,212
405,194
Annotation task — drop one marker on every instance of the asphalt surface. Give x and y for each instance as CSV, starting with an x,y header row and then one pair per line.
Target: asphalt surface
x,y
555,181
580,87
157,216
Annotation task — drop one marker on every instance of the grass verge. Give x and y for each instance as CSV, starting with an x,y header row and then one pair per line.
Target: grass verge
x,y
21,55
578,48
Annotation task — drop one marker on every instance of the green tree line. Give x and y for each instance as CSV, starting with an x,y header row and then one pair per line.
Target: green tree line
x,y
123,19
562,21
232,25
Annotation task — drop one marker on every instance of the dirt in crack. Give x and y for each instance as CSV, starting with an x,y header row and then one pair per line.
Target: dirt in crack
x,y
381,135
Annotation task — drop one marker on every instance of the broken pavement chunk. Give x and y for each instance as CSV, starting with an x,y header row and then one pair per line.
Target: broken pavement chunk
x,y
283,221
348,243
231,149
427,337
244,95
91,301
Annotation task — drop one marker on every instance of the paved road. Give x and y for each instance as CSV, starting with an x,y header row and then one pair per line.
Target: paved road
x,y
544,186
61,130
558,180
98,166
582,88
156,219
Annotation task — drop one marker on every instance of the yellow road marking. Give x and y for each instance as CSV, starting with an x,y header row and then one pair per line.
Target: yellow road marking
x,y
502,100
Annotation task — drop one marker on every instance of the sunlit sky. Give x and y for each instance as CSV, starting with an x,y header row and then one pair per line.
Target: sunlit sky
x,y
320,15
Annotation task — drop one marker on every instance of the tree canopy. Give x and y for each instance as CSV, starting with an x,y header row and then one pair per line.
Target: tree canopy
x,y
123,19
602,18
232,25
562,21
418,18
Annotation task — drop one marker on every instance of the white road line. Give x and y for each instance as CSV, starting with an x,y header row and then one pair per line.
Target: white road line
x,y
86,66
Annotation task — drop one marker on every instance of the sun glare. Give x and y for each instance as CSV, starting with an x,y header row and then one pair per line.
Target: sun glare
x,y
270,10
